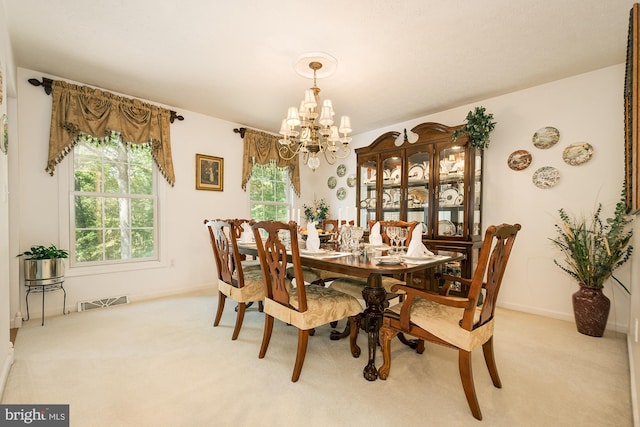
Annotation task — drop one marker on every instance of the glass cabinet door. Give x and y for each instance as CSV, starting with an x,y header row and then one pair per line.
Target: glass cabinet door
x,y
391,197
451,191
477,196
418,176
368,194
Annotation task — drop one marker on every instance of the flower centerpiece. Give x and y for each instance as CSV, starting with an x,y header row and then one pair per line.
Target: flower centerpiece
x,y
317,212
592,250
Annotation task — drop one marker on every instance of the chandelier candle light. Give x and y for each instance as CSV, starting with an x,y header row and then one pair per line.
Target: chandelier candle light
x,y
309,130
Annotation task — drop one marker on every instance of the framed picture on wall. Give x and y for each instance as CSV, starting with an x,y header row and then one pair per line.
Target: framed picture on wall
x,y
632,114
209,173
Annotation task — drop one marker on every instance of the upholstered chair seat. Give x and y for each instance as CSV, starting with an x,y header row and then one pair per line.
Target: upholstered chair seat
x,y
253,289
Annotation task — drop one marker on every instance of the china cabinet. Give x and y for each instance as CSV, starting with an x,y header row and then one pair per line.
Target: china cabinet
x,y
435,181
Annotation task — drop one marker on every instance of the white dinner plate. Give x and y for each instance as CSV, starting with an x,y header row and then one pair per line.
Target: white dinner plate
x,y
417,258
388,260
308,252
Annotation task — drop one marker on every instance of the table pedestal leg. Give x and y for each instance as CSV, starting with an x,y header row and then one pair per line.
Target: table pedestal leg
x,y
375,297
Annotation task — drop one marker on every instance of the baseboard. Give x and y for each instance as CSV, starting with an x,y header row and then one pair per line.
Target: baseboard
x,y
616,327
6,367
632,381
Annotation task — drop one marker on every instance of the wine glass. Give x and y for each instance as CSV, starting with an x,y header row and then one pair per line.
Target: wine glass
x,y
356,235
402,235
345,237
392,232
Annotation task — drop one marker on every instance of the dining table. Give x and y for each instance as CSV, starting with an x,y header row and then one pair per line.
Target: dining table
x,y
372,268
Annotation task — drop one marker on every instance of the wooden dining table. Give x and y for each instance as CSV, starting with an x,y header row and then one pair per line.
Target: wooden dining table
x,y
375,296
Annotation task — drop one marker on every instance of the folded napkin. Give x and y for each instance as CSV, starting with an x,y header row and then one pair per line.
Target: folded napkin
x,y
416,247
374,235
313,240
247,233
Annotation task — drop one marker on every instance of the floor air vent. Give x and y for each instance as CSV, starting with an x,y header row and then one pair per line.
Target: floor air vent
x,y
103,303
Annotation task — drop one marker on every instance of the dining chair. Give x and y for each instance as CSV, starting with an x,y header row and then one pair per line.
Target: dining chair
x,y
234,281
291,301
238,229
456,322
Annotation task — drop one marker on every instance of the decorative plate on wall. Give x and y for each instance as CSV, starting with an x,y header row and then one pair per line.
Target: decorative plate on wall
x,y
519,160
577,154
341,170
546,177
332,182
351,181
341,193
546,137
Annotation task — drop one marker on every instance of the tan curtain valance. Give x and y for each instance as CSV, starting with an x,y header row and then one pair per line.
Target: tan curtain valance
x,y
77,109
262,148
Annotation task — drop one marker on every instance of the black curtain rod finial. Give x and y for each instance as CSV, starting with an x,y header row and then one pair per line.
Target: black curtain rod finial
x,y
175,116
45,83
241,131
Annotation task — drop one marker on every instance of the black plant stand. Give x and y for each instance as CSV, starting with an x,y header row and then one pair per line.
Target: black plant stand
x,y
44,286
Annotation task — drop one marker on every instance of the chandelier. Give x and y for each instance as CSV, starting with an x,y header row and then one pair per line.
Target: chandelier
x,y
309,130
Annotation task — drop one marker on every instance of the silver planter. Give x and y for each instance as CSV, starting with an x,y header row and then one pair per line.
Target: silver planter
x,y
43,271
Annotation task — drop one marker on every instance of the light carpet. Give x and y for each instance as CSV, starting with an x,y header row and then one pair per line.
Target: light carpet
x,y
162,363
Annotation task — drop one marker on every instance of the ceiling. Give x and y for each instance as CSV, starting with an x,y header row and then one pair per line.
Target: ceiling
x,y
397,60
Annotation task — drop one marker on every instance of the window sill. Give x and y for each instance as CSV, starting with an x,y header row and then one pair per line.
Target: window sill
x,y
113,268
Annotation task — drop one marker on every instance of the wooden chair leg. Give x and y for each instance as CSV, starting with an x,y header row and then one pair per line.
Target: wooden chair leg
x,y
242,308
466,375
385,336
337,335
303,339
221,298
260,306
489,358
354,322
420,347
266,337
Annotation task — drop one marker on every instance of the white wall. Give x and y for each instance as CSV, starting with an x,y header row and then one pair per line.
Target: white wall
x,y
585,108
187,256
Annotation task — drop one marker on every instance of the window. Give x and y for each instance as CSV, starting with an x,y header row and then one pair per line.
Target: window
x,y
113,207
269,192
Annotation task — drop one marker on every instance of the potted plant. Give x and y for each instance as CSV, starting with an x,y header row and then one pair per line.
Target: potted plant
x,y
592,250
44,264
479,125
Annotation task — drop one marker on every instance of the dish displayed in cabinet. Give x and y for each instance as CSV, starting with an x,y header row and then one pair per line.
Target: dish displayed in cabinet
x,y
417,197
416,173
395,175
446,228
386,199
448,197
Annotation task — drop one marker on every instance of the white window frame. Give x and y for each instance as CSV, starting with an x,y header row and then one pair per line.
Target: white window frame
x,y
66,184
288,204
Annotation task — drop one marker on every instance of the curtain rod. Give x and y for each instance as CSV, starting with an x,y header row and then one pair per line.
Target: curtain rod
x,y
46,85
